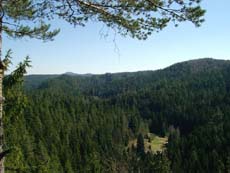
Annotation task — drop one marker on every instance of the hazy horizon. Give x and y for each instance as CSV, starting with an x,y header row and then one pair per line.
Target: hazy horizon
x,y
124,71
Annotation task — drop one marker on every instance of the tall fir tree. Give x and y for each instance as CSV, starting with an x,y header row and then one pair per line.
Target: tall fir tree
x,y
19,18
140,145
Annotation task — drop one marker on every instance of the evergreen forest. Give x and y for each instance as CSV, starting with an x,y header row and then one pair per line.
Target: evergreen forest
x,y
172,120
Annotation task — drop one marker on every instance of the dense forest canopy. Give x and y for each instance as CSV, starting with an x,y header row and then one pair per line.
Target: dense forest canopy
x,y
77,123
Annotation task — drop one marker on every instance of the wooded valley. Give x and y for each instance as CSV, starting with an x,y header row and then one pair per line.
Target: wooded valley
x,y
86,123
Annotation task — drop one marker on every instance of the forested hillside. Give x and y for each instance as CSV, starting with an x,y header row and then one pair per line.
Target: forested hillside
x,y
86,123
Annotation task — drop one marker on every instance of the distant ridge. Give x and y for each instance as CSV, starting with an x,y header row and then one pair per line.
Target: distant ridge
x,y
194,65
76,74
176,71
199,65
202,63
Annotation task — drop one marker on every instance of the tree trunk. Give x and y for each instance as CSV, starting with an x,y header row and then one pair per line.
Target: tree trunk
x,y
1,122
1,96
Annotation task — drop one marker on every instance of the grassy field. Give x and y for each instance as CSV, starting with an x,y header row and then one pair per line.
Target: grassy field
x,y
153,143
158,143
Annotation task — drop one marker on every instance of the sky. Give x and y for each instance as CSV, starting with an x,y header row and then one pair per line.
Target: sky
x,y
85,50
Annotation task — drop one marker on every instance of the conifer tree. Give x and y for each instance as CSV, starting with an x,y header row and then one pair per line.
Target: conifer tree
x,y
140,145
19,18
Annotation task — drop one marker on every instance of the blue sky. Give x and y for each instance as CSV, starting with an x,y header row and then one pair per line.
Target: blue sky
x,y
85,50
